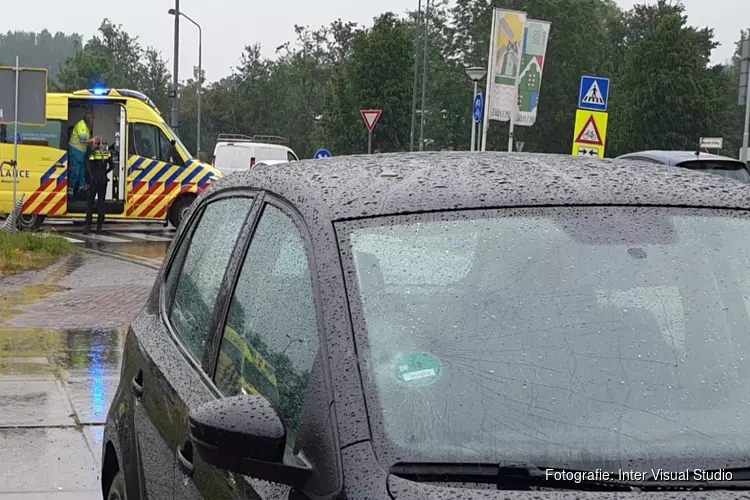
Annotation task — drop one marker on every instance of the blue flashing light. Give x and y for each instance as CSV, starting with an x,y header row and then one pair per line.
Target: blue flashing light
x,y
100,91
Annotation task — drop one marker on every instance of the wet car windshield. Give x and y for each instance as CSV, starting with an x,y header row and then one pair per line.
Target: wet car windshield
x,y
586,336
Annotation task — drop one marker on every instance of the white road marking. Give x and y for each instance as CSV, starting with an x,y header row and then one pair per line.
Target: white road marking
x,y
73,240
141,236
106,239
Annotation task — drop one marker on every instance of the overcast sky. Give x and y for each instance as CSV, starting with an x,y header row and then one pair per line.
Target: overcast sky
x,y
230,25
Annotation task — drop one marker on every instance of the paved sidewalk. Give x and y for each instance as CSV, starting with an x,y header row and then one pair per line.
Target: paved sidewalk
x,y
61,335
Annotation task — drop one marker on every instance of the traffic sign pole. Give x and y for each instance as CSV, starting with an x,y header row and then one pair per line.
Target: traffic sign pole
x,y
369,142
746,133
473,122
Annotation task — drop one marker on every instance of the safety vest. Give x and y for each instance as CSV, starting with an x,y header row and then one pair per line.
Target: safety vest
x,y
100,156
81,134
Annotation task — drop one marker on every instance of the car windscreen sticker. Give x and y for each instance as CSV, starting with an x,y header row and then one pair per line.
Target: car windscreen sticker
x,y
418,369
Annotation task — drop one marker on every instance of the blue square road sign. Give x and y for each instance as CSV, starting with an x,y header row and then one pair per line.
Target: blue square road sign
x,y
594,93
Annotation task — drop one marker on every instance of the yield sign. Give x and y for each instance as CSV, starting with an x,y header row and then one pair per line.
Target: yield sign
x,y
590,134
371,117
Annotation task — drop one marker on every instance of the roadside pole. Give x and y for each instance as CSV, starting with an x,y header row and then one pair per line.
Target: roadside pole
x,y
745,86
746,134
417,27
490,81
15,150
473,122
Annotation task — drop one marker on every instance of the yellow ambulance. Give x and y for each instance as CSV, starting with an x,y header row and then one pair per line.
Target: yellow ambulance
x,y
155,178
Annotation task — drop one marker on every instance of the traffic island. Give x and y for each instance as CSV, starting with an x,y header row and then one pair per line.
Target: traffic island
x,y
24,251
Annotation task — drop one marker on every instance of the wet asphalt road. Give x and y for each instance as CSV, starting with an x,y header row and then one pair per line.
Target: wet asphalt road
x,y
144,243
61,335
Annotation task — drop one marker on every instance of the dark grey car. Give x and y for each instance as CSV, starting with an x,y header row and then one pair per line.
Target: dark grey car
x,y
704,162
442,325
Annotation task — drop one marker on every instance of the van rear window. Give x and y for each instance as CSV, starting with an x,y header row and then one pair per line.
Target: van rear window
x,y
49,135
732,169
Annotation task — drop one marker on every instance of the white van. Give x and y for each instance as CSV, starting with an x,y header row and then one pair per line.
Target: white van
x,y
236,152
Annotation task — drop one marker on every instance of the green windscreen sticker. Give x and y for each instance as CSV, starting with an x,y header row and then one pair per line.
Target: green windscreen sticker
x,y
418,369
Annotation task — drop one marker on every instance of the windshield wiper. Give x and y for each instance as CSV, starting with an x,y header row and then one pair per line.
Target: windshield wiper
x,y
520,476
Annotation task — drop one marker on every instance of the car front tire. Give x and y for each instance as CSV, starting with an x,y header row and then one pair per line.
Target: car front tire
x,y
117,490
180,209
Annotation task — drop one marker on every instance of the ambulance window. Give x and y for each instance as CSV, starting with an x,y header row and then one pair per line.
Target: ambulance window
x,y
150,142
145,140
49,135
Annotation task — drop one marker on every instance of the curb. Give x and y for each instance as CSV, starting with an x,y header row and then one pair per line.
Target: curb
x,y
132,260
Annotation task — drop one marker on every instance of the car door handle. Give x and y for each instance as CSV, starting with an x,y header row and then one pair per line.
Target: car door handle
x,y
186,465
137,384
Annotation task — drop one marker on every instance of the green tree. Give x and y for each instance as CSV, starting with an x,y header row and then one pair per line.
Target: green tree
x,y
666,95
377,74
38,50
115,59
581,42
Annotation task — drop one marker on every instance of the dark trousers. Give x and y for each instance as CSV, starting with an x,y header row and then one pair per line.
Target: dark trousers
x,y
98,190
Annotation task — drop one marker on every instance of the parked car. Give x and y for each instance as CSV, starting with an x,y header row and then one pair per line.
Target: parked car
x,y
442,325
237,153
704,162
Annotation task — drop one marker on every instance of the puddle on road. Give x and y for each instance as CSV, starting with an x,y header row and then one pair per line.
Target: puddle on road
x,y
86,361
152,251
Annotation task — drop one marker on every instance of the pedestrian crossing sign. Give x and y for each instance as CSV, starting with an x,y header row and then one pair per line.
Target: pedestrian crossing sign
x,y
590,134
594,93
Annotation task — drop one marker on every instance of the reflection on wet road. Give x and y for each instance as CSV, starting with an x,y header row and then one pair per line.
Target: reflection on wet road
x,y
61,337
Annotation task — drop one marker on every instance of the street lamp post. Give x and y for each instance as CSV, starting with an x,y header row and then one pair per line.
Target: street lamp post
x,y
176,70
200,77
424,75
416,75
475,73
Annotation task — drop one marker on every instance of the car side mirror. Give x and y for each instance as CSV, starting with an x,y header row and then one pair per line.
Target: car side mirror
x,y
244,434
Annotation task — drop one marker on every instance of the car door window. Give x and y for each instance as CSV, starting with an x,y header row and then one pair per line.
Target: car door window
x,y
290,156
205,261
262,153
271,335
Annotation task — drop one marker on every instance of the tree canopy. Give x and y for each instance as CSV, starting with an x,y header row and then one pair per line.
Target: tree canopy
x,y
665,93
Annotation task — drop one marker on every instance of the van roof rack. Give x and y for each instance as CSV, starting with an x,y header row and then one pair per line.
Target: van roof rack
x,y
269,139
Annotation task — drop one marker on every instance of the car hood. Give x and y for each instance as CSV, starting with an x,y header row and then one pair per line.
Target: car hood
x,y
213,170
401,489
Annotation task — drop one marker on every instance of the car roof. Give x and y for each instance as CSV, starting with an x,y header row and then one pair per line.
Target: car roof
x,y
349,187
247,144
675,157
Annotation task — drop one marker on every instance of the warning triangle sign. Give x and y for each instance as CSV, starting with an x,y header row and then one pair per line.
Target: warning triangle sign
x,y
594,95
371,117
590,133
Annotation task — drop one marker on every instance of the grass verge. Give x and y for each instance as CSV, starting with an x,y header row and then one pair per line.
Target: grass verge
x,y
23,251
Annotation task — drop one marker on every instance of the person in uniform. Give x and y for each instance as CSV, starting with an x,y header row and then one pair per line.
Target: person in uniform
x,y
80,140
98,166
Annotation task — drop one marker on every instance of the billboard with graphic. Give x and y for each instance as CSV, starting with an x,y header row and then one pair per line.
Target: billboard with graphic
x,y
530,75
505,59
